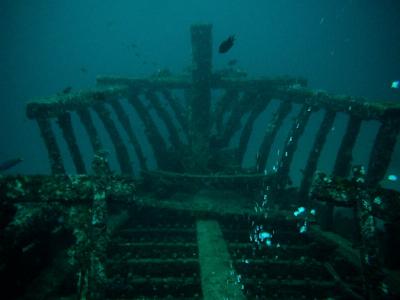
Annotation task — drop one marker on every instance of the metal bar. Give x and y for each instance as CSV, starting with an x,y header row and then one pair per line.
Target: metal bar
x,y
53,150
315,153
126,124
64,121
119,146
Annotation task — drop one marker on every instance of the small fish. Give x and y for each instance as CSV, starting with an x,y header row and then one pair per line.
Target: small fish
x,y
395,84
83,70
67,90
227,44
232,62
8,164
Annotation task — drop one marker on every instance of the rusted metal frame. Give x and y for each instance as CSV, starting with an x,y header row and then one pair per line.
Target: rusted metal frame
x,y
87,122
184,82
233,123
355,106
53,150
156,83
64,121
98,235
338,191
199,107
259,107
270,132
382,150
290,146
68,190
315,153
119,146
126,124
273,83
177,108
225,103
372,270
156,140
166,118
53,106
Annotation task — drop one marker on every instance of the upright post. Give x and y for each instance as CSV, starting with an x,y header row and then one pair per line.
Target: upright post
x,y
200,96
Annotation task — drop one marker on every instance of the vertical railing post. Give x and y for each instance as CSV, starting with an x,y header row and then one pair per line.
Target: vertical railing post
x,y
53,150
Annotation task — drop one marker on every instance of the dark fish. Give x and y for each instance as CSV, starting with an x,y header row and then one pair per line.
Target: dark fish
x,y
83,70
8,164
67,90
232,62
227,44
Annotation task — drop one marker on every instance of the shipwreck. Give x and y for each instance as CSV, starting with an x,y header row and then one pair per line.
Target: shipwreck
x,y
199,225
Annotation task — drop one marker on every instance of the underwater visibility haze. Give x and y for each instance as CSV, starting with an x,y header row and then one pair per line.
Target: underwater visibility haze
x,y
188,149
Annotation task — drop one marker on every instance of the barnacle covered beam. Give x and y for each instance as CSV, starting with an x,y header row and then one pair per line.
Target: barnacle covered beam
x,y
357,107
341,192
370,261
53,150
120,148
173,182
64,121
65,189
382,150
143,84
53,106
260,84
126,124
315,153
98,237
